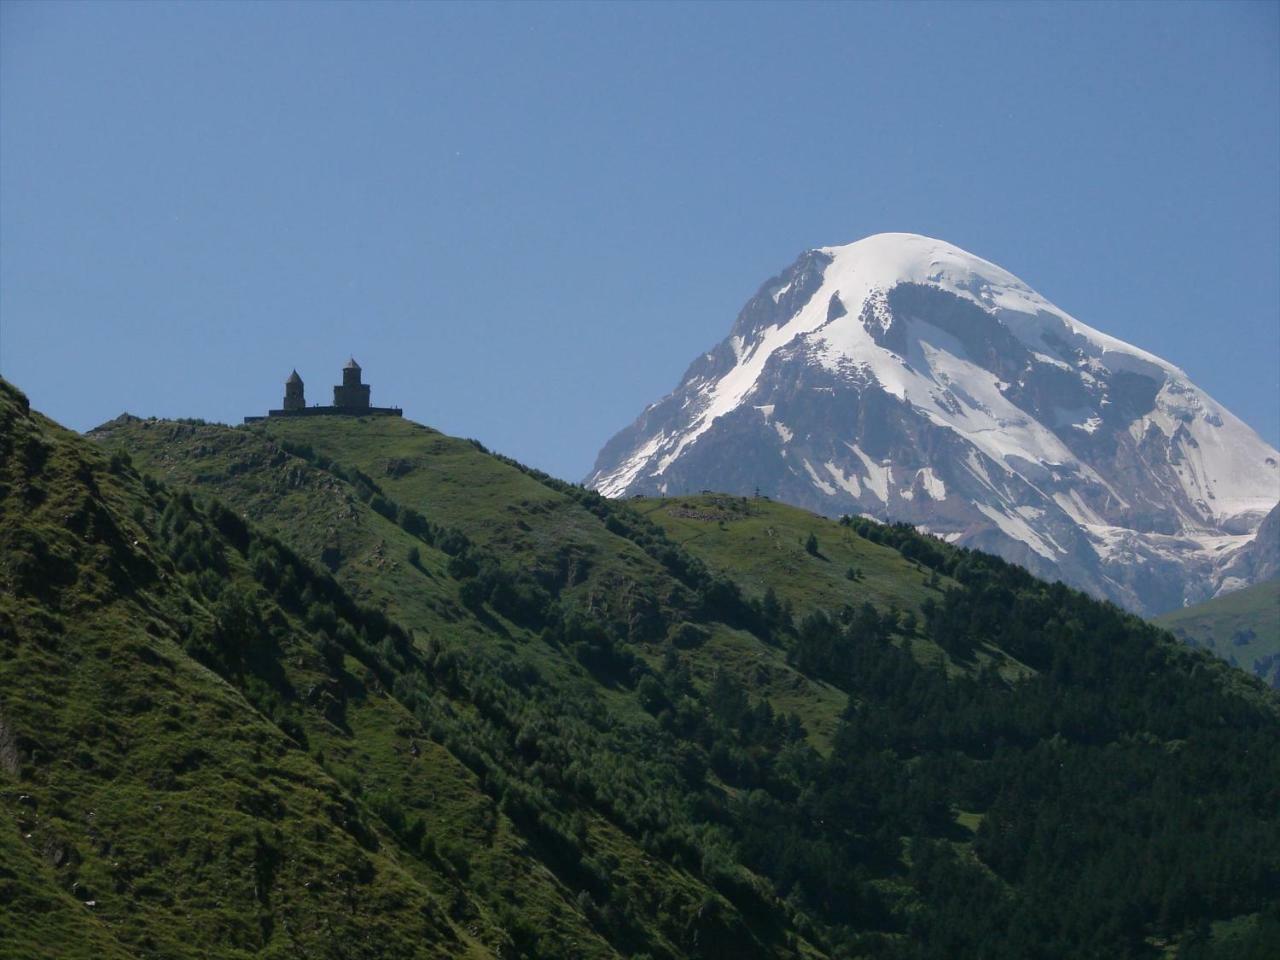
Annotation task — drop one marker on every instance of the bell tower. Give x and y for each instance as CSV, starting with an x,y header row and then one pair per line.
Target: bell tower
x,y
352,395
293,398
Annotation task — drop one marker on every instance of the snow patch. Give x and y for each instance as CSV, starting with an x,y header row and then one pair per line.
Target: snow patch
x,y
1016,528
616,484
848,483
818,482
879,476
931,483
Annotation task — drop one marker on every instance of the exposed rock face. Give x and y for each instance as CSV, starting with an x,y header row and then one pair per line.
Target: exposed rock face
x,y
9,759
905,379
1255,562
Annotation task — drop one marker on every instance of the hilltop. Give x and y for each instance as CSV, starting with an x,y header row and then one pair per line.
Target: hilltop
x,y
350,686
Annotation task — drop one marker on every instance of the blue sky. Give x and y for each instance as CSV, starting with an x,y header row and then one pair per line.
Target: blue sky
x,y
526,220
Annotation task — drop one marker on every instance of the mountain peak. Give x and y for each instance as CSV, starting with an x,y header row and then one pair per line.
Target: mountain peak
x,y
885,260
906,256
902,377
914,258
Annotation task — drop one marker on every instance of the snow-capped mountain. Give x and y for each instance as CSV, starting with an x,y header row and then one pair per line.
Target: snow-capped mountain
x,y
903,378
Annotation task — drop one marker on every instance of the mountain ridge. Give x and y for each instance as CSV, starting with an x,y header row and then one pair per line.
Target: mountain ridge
x,y
903,378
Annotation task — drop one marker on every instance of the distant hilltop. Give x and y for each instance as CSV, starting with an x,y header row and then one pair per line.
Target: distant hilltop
x,y
350,398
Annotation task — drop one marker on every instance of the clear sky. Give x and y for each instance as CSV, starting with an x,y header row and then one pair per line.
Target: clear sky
x,y
526,220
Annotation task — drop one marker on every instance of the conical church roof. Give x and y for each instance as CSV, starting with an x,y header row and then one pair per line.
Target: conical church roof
x,y
294,378
352,365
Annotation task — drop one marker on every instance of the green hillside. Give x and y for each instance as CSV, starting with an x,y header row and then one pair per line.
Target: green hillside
x,y
1242,628
163,710
350,687
765,546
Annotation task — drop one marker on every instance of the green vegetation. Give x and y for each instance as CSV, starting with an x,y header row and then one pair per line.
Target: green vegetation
x,y
1242,628
156,806
355,688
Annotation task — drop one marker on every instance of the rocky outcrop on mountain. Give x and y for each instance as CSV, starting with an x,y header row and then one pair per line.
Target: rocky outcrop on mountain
x,y
1257,561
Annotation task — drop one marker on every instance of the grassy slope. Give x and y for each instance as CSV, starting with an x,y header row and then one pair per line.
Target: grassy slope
x,y
497,505
495,880
528,523
478,889
525,523
171,818
757,542
762,543
1243,628
55,925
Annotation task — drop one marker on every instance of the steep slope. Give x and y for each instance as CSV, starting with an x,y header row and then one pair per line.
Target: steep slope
x,y
808,563
569,771
902,378
536,695
554,546
1257,561
1242,627
151,809
710,767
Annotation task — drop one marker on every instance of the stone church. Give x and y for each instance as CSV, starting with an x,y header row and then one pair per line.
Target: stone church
x,y
350,398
